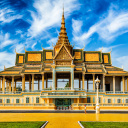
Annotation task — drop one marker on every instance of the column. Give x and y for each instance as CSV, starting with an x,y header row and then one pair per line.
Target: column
x,y
55,81
9,86
93,82
42,81
53,77
48,101
15,85
23,82
83,79
0,85
46,81
123,83
38,84
127,84
79,81
72,78
3,84
12,84
87,84
103,83
113,84
32,82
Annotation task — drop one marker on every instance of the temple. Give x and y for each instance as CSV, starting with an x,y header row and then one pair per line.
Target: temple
x,y
36,80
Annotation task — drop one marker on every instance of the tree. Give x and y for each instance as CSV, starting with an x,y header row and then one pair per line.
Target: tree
x,y
67,84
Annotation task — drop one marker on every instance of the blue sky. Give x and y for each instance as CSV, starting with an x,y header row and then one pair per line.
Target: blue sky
x,y
93,23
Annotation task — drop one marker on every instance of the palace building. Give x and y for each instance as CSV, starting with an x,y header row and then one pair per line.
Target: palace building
x,y
26,85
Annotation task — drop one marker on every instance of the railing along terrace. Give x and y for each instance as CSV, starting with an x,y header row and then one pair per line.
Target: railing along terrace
x,y
92,104
116,92
100,90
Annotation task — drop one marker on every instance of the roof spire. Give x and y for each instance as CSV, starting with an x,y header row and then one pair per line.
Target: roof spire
x,y
63,38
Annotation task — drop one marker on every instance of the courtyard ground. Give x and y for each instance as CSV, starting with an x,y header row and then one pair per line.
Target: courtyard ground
x,y
62,120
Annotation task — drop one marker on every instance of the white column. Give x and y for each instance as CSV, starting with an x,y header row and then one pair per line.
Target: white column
x,y
42,81
93,82
113,84
103,83
32,82
72,78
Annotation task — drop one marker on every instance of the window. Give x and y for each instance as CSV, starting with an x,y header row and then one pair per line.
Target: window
x,y
109,100
99,99
0,100
118,100
126,100
88,99
37,99
8,100
17,100
27,100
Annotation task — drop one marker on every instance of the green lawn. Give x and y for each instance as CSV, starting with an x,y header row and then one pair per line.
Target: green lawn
x,y
34,124
105,124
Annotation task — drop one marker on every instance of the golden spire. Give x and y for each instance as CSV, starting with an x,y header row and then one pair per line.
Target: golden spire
x,y
63,38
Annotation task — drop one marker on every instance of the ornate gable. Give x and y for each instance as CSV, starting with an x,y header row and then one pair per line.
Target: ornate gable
x,y
63,54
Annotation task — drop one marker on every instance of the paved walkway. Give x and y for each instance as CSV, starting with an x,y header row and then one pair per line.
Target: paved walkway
x,y
62,120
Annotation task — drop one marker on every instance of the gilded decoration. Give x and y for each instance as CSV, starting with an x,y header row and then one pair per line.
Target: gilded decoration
x,y
63,63
63,54
34,57
20,61
47,69
77,55
6,72
106,59
94,70
33,66
96,66
109,67
116,72
48,55
31,71
92,57
78,69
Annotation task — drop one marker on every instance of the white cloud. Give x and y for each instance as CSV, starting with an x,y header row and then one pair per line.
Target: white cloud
x,y
5,40
115,24
34,45
7,15
108,49
7,59
48,14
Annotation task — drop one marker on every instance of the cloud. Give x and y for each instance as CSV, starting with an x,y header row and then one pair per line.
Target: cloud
x,y
5,40
7,15
108,49
48,14
121,60
7,59
108,28
34,45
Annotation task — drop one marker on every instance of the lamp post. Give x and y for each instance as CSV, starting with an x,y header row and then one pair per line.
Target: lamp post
x,y
97,81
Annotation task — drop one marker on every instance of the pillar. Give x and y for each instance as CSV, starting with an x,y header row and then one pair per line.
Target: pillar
x,y
48,101
42,81
32,82
0,85
123,82
127,84
113,84
15,85
72,78
83,79
3,84
6,85
53,77
38,84
79,81
23,82
9,86
46,81
103,83
55,81
87,84
93,82
12,84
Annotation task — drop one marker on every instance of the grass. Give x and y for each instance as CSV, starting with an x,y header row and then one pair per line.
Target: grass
x,y
105,124
32,124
